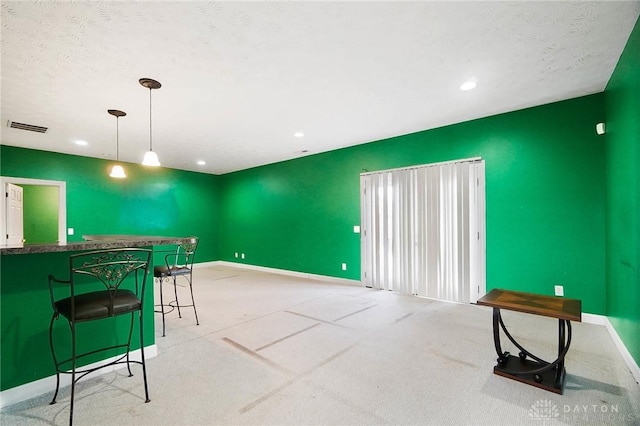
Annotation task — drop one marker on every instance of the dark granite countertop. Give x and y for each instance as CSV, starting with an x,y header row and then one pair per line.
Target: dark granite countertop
x,y
95,242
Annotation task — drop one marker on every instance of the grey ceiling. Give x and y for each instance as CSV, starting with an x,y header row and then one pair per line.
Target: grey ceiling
x,y
239,78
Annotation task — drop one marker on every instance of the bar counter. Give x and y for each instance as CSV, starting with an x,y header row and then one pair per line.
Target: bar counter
x,y
25,308
94,242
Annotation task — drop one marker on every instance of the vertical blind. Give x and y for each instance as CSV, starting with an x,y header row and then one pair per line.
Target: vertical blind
x,y
423,230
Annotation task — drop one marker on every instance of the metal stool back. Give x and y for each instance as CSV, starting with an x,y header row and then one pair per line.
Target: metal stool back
x,y
102,284
178,264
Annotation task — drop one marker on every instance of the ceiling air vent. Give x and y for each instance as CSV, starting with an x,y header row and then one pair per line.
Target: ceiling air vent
x,y
30,127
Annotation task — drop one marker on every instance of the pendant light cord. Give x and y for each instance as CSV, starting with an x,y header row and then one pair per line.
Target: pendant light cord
x,y
150,131
117,139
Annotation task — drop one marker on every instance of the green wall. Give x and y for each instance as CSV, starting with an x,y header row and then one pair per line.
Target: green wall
x,y
40,213
545,198
150,201
622,97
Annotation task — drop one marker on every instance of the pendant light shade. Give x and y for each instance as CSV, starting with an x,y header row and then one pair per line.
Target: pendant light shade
x,y
150,157
117,171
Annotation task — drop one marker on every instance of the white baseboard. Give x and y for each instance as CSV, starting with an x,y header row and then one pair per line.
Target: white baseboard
x,y
286,272
205,264
594,319
626,355
48,384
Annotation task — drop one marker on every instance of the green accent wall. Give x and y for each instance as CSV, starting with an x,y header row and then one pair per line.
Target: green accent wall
x,y
622,99
150,201
40,218
545,198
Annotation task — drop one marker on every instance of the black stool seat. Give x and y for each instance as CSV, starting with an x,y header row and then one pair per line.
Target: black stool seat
x,y
177,264
164,272
99,304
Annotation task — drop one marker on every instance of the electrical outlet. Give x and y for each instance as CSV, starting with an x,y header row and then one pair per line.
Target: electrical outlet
x,y
356,229
70,231
236,254
559,290
344,266
242,255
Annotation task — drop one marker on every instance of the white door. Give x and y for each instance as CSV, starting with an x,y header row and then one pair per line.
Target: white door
x,y
15,232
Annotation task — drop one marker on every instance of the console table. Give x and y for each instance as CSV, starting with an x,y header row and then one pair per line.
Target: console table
x,y
526,367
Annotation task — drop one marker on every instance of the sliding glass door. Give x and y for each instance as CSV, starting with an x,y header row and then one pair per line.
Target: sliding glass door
x,y
423,230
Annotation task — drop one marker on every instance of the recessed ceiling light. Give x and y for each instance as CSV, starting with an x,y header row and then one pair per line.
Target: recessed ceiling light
x,y
201,163
298,134
82,143
469,85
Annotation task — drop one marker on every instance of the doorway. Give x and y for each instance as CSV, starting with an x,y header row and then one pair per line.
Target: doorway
x,y
38,186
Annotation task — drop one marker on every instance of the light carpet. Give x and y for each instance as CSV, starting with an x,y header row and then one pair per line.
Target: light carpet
x,y
276,350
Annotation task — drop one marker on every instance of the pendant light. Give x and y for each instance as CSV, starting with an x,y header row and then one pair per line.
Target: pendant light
x,y
117,171
150,157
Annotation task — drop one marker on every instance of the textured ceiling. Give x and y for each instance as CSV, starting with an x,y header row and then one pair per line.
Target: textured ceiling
x,y
239,78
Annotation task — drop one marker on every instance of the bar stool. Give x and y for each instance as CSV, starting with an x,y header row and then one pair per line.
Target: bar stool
x,y
103,284
178,264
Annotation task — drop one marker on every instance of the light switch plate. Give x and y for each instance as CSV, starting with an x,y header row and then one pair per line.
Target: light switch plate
x,y
559,290
70,231
356,229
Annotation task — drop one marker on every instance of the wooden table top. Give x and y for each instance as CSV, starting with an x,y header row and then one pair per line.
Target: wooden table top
x,y
549,306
